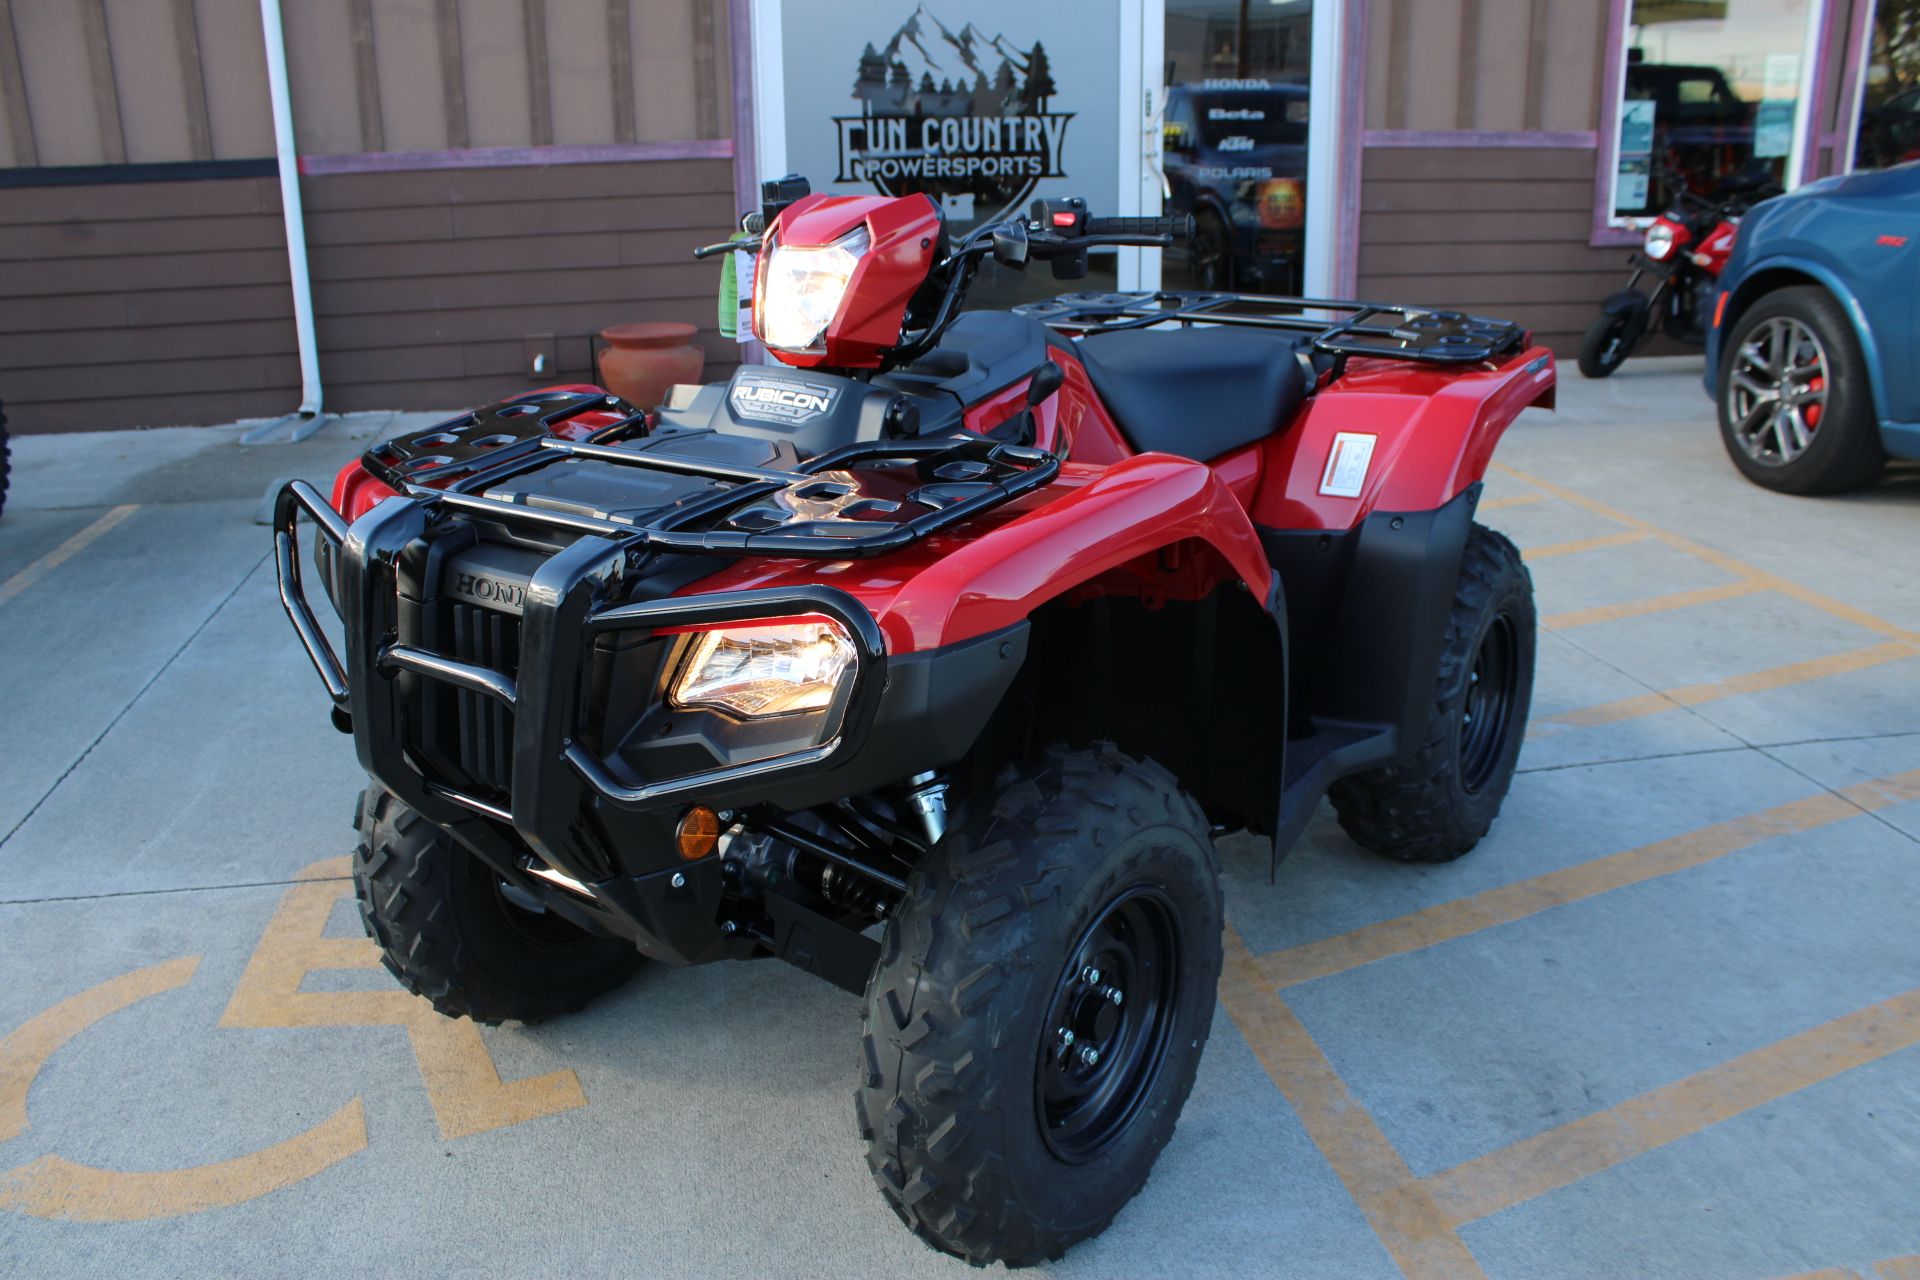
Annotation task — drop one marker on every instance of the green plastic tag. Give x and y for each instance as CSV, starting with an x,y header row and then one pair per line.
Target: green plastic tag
x,y
730,293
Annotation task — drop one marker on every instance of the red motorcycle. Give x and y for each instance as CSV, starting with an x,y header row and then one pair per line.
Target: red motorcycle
x,y
931,661
1685,250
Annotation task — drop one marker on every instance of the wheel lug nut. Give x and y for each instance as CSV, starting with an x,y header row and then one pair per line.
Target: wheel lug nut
x,y
1090,976
1089,1056
1114,995
1066,1038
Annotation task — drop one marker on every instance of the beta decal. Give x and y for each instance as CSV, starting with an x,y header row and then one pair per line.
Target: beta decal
x,y
764,397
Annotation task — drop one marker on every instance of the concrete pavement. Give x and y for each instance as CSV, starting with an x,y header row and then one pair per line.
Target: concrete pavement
x,y
1662,1023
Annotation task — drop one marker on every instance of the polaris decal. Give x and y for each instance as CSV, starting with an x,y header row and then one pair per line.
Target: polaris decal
x,y
762,397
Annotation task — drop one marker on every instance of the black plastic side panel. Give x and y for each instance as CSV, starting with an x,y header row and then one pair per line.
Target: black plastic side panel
x,y
1368,610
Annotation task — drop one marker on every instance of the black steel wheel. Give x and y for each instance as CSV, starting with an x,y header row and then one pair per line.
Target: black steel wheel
x,y
449,929
1041,1002
1438,804
1104,1039
1605,346
1796,410
1487,719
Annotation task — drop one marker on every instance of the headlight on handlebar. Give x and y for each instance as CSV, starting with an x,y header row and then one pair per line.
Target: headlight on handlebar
x,y
1660,241
801,290
767,669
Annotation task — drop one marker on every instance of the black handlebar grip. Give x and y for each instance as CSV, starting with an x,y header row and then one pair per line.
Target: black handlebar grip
x,y
1177,226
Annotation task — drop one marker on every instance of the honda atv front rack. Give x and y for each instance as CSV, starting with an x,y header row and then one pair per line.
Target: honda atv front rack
x,y
804,511
1380,330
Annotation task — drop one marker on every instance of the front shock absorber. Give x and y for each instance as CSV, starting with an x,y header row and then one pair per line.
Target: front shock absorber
x,y
927,793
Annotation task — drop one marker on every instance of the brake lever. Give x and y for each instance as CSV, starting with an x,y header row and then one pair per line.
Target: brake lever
x,y
726,246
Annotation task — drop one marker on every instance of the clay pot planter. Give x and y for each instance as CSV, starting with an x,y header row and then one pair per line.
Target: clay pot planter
x,y
640,361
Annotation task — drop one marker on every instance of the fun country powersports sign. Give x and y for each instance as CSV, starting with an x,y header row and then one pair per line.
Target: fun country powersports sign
x,y
959,114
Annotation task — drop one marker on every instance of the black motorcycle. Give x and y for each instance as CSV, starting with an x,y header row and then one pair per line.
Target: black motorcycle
x,y
1685,250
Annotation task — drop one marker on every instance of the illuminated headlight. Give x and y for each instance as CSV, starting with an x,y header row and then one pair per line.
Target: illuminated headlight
x,y
1659,241
769,669
801,289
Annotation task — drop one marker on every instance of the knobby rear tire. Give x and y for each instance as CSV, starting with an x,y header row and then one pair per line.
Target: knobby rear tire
x,y
1429,809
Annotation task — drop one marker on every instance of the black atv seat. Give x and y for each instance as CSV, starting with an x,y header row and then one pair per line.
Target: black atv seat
x,y
1196,393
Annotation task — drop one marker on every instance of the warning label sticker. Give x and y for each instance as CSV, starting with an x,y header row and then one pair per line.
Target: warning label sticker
x,y
1347,464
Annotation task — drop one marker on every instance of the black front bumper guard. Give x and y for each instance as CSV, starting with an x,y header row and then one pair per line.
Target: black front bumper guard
x,y
555,776
559,622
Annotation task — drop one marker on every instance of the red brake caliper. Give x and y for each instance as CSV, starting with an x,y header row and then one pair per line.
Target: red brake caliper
x,y
1812,412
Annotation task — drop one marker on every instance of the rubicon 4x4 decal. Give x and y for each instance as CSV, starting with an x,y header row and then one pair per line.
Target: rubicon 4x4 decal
x,y
773,397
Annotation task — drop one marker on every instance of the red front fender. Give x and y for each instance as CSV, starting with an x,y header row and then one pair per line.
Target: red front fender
x,y
1096,520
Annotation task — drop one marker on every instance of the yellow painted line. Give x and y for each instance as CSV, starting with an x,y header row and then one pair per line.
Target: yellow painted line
x,y
26,1049
463,1084
64,552
1652,604
1581,1148
1601,543
1826,1273
1449,920
1907,1268
1773,582
1646,704
1517,500
53,1187
1418,1236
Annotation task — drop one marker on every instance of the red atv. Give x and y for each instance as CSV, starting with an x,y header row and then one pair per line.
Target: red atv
x,y
975,627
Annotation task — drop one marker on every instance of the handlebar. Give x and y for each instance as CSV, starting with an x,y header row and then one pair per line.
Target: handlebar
x,y
1177,226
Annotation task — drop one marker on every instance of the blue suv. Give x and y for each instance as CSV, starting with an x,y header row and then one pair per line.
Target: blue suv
x,y
1811,354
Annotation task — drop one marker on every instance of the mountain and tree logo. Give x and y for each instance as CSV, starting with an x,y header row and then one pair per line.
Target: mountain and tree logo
x,y
960,115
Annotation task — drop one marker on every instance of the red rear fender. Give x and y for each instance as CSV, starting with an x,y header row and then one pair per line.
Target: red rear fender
x,y
1431,431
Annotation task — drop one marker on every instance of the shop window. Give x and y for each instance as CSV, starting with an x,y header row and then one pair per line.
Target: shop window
x,y
1234,142
1889,126
1710,100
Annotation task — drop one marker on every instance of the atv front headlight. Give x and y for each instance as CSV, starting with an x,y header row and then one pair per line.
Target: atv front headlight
x,y
801,289
1660,241
767,669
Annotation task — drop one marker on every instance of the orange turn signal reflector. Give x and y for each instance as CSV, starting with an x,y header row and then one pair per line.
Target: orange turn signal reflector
x,y
698,833
1720,309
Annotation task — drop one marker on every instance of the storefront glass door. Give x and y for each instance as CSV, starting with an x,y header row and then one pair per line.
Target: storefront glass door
x,y
1234,141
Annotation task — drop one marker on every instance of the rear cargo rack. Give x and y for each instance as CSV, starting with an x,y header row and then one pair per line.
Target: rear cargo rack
x,y
1373,329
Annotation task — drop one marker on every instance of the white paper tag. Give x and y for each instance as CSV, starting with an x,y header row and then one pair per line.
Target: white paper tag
x,y
1347,464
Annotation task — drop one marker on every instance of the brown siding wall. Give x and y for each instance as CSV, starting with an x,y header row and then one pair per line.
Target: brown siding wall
x,y
1499,65
156,304
144,304
426,284
1499,230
